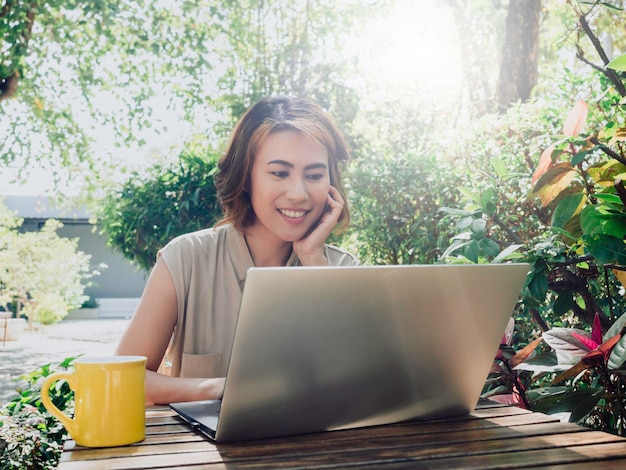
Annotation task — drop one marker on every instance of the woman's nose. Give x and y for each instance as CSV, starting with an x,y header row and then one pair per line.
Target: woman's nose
x,y
297,190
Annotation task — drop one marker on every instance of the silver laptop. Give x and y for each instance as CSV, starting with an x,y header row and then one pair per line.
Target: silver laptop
x,y
326,348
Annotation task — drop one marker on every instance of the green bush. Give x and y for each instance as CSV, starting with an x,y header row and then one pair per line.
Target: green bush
x,y
151,209
40,266
568,353
50,309
30,437
395,208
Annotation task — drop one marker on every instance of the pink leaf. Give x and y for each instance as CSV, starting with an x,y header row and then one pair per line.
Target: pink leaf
x,y
562,339
545,163
588,342
508,332
576,119
506,399
596,330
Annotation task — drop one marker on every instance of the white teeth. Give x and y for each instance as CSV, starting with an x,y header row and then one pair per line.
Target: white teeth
x,y
292,214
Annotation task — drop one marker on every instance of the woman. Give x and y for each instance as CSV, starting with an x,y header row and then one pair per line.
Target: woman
x,y
279,185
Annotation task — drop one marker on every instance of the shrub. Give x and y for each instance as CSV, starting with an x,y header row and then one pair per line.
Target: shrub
x,y
149,210
30,437
50,309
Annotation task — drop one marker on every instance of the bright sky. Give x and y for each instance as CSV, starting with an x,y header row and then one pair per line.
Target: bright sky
x,y
411,50
406,52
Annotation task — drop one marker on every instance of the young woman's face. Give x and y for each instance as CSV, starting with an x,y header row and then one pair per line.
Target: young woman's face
x,y
289,185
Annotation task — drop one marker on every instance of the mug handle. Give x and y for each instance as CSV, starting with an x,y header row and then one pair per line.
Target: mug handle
x,y
69,423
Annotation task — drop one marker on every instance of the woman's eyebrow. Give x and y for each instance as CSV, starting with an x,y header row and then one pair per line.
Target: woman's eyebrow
x,y
312,166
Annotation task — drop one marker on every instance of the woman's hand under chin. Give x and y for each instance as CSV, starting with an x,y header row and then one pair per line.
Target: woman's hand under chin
x,y
310,249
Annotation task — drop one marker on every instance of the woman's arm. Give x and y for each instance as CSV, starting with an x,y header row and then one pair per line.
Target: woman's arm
x,y
149,333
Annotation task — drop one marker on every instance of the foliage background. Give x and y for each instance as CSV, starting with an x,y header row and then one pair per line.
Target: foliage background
x,y
127,104
115,99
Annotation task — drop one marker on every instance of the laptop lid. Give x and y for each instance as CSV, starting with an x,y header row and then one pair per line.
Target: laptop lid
x,y
325,348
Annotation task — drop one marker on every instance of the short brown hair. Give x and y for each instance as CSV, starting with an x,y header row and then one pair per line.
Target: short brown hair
x,y
271,115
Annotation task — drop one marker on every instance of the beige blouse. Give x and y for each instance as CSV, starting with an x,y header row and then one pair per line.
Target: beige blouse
x,y
209,268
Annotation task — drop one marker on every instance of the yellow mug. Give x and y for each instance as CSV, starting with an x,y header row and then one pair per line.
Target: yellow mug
x,y
109,396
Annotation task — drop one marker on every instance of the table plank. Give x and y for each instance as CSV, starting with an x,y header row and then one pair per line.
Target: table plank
x,y
490,437
468,423
286,447
595,465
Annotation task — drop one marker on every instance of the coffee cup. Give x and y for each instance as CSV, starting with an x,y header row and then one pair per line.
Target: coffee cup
x,y
109,396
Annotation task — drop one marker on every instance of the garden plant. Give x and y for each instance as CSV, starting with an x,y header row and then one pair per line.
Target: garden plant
x,y
30,437
574,295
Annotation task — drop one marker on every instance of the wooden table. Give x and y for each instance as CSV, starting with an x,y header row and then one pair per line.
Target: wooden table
x,y
493,436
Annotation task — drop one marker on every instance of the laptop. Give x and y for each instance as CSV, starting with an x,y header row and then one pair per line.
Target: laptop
x,y
328,348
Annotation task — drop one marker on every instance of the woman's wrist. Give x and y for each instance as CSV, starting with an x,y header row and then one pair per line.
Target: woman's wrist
x,y
163,389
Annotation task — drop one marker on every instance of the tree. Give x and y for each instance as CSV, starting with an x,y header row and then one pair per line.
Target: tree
x,y
16,25
149,210
478,32
520,54
40,268
76,67
397,182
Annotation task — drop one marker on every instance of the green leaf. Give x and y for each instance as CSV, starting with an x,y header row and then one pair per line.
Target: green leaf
x,y
469,194
542,362
618,354
615,227
608,197
552,400
579,157
508,252
495,391
472,251
566,208
538,285
593,216
615,328
479,226
584,403
563,303
487,201
465,223
499,166
563,233
605,248
543,398
619,63
489,247
455,246
452,211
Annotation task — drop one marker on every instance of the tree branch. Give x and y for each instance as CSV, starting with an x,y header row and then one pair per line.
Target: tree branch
x,y
591,306
609,151
570,262
608,292
621,190
537,318
610,74
514,236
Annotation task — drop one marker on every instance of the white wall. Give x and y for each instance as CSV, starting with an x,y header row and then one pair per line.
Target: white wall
x,y
120,279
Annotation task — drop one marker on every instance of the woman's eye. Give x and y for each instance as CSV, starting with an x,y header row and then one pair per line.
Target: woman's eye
x,y
315,176
280,174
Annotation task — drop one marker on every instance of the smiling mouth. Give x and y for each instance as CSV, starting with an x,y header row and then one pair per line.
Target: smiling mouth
x,y
292,214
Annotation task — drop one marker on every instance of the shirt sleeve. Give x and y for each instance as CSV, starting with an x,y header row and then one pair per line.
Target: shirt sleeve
x,y
338,257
